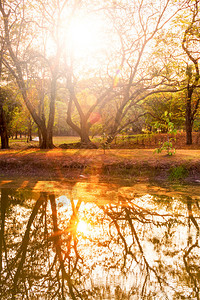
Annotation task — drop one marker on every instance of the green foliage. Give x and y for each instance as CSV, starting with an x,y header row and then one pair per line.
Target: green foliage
x,y
177,173
156,105
168,146
9,103
169,126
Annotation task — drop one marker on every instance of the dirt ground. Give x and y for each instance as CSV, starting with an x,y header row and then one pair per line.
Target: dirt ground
x,y
59,164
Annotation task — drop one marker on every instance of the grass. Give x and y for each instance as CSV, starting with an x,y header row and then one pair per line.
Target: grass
x,y
21,143
58,140
26,159
178,173
124,163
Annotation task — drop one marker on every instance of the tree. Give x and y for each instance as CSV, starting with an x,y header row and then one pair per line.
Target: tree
x,y
21,122
190,45
156,106
84,72
127,74
38,50
8,105
139,74
3,125
25,57
87,117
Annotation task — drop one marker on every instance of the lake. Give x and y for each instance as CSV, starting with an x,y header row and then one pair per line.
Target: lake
x,y
99,240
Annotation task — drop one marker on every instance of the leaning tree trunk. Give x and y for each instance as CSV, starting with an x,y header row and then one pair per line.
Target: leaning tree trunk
x,y
117,121
3,130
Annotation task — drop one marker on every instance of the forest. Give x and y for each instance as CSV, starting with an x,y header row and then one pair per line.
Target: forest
x,y
98,68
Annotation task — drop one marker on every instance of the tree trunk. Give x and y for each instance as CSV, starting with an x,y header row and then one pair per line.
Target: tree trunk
x,y
86,142
30,138
188,118
3,130
82,131
188,126
30,134
46,139
84,135
114,130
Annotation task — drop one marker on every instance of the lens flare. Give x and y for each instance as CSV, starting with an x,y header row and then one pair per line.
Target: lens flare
x,y
116,78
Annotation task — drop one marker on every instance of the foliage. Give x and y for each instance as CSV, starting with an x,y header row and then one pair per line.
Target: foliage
x,y
178,173
190,45
169,126
156,105
10,105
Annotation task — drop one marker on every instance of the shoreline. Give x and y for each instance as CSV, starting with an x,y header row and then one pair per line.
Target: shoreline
x,y
138,164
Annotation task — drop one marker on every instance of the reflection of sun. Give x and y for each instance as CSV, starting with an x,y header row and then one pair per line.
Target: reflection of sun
x,y
82,227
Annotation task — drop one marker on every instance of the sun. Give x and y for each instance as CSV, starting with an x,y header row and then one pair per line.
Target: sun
x,y
82,227
83,38
85,35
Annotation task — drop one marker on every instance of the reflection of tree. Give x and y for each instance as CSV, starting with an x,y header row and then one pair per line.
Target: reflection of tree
x,y
22,252
191,258
4,203
60,253
131,214
130,251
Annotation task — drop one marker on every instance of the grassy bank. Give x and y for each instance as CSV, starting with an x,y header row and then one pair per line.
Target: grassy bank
x,y
58,164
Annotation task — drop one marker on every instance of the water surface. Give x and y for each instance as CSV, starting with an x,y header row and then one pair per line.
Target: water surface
x,y
99,241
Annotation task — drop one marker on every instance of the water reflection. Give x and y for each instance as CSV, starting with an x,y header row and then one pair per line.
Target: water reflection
x,y
114,246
